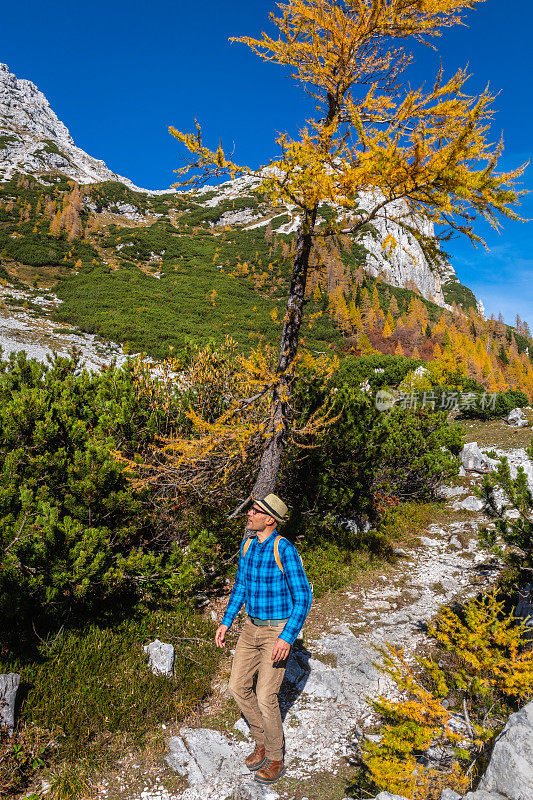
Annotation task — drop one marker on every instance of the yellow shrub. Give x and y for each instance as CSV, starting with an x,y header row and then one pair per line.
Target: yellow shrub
x,y
489,647
489,668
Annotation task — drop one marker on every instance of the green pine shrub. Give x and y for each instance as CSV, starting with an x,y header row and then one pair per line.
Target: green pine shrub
x,y
369,460
504,402
510,537
77,540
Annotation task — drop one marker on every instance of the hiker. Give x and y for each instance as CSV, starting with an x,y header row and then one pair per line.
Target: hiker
x,y
272,582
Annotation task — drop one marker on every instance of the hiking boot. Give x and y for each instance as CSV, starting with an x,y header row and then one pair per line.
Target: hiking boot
x,y
256,759
271,772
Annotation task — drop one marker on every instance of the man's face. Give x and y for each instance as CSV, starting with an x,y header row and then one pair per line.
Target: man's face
x,y
257,519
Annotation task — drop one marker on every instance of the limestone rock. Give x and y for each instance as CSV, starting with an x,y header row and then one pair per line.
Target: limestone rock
x,y
510,769
517,418
240,217
392,264
474,460
200,754
9,685
162,656
453,491
470,503
389,796
481,794
449,794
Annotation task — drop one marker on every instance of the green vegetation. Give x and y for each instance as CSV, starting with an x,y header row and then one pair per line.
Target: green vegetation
x,y
455,292
486,407
93,565
510,538
193,304
154,315
402,454
91,687
5,140
39,249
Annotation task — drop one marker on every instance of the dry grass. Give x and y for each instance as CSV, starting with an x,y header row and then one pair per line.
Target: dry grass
x,y
497,433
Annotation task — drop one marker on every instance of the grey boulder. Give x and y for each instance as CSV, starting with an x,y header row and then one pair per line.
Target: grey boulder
x,y
474,460
200,754
254,791
510,770
470,503
9,685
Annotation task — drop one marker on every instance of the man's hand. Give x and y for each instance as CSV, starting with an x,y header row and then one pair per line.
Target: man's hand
x,y
220,636
281,650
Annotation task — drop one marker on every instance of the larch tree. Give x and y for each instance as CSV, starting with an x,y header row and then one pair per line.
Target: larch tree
x,y
414,152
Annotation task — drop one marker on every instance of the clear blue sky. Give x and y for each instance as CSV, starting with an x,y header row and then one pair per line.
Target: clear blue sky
x,y
118,73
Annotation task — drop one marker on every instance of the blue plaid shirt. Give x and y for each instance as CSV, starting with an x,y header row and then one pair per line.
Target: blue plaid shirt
x,y
268,592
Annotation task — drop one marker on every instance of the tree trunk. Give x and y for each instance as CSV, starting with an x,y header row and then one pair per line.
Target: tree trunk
x,y
278,430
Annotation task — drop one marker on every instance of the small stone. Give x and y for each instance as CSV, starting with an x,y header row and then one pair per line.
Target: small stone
x,y
399,551
254,791
468,504
161,660
517,418
449,794
454,542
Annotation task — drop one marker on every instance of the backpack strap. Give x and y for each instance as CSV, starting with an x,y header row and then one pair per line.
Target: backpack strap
x,y
276,552
248,542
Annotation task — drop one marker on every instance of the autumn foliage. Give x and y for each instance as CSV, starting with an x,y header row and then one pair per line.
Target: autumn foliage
x,y
453,702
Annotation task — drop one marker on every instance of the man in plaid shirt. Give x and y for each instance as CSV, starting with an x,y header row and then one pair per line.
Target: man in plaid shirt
x,y
272,582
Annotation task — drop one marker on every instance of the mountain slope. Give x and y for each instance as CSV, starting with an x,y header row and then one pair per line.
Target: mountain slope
x,y
34,141
160,270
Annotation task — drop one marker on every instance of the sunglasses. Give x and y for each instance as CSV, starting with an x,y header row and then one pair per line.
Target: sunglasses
x,y
254,510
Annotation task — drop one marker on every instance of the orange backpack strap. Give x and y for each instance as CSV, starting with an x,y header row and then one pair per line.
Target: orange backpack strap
x,y
276,552
247,544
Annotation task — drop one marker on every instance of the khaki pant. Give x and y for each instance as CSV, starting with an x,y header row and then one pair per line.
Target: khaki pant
x,y
260,708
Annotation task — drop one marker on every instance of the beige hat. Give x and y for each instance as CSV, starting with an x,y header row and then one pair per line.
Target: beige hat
x,y
273,506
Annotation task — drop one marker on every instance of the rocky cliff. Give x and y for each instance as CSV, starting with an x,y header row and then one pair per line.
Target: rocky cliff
x,y
33,140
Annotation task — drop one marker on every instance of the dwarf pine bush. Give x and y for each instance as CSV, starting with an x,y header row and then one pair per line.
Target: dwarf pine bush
x,y
511,536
